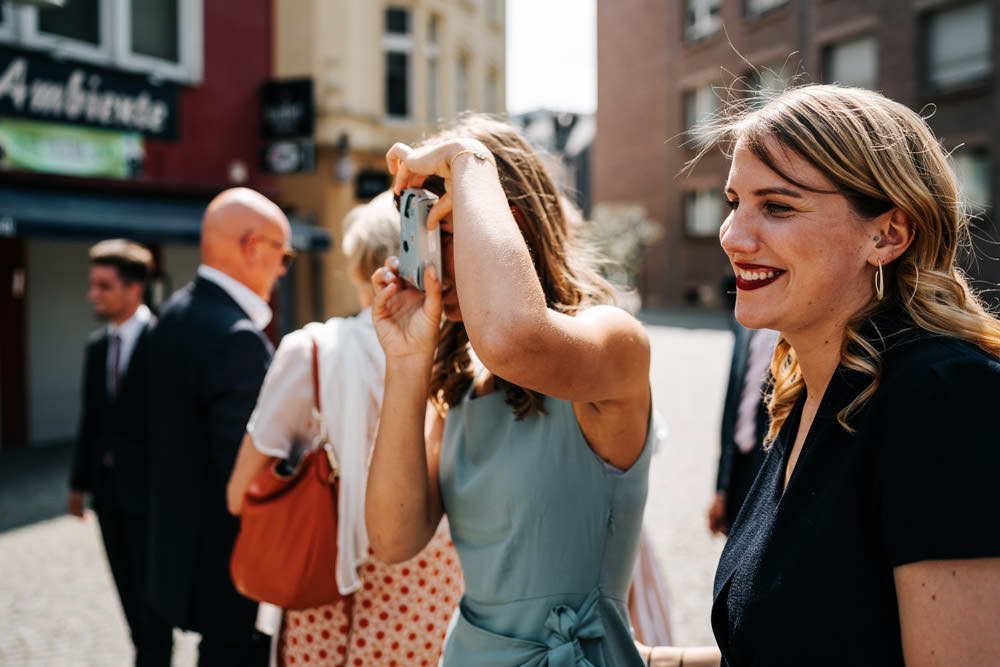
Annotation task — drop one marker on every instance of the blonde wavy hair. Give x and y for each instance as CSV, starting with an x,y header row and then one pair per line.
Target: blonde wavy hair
x,y
564,268
880,155
371,235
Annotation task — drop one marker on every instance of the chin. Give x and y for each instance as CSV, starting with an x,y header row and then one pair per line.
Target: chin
x,y
753,320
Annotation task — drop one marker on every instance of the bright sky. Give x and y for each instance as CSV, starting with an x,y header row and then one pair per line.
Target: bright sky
x,y
552,55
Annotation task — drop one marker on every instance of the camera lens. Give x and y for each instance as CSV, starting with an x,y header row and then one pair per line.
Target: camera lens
x,y
406,247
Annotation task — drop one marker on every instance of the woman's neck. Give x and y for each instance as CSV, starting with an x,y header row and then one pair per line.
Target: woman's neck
x,y
818,358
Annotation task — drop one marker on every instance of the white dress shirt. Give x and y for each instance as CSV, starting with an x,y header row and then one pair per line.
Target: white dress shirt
x,y
255,307
128,334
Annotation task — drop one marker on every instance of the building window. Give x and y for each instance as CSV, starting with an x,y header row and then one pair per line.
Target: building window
x,y
79,20
397,21
398,44
972,168
758,7
703,212
853,62
6,22
702,19
767,82
159,37
958,45
155,32
433,70
462,84
700,105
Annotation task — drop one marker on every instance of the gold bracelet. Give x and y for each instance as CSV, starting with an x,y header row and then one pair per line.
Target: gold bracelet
x,y
478,153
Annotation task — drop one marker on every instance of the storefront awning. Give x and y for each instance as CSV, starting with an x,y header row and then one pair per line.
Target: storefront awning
x,y
36,213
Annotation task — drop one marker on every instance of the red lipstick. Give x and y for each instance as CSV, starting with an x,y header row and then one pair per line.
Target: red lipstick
x,y
748,284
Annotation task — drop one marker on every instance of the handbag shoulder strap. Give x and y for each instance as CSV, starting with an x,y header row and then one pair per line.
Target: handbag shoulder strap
x,y
317,410
315,374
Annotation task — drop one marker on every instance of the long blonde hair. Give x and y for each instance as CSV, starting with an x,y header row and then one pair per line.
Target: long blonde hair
x,y
880,155
567,276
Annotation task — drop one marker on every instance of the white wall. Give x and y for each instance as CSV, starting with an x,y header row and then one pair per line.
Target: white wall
x,y
59,320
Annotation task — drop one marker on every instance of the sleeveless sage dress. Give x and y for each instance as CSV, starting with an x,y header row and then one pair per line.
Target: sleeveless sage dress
x,y
547,535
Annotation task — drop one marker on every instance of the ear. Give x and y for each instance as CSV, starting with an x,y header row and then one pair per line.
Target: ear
x,y
895,233
249,247
136,288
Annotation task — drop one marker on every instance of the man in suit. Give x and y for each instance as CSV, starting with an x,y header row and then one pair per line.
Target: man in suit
x,y
112,459
209,357
745,422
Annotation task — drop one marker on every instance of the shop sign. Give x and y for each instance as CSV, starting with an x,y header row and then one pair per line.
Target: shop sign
x,y
37,87
288,156
70,150
286,109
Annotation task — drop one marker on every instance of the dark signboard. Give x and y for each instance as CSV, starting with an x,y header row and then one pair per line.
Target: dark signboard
x,y
286,109
369,183
288,156
35,86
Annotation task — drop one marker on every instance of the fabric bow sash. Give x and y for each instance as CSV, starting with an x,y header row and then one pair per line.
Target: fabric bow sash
x,y
567,627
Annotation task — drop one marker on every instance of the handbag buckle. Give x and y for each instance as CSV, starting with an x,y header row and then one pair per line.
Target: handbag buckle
x,y
322,439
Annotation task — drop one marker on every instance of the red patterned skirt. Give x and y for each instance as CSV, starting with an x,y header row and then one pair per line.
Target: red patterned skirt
x,y
398,618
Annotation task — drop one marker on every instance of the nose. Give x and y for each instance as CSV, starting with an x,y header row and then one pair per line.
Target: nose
x,y
738,234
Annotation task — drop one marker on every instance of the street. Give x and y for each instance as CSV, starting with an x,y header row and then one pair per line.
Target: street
x,y
59,608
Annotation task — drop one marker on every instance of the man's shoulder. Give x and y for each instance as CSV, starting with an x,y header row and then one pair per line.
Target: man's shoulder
x,y
97,336
199,300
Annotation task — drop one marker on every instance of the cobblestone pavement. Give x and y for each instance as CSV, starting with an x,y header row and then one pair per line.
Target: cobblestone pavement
x,y
58,606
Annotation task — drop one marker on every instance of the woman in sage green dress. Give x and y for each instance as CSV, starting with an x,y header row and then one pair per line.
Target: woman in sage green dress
x,y
539,458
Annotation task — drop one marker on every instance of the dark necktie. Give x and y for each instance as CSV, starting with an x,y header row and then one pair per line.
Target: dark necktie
x,y
114,355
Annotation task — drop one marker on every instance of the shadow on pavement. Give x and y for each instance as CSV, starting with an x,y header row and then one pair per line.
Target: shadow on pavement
x,y
34,483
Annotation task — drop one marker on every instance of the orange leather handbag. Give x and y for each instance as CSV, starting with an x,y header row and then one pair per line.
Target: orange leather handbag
x,y
286,550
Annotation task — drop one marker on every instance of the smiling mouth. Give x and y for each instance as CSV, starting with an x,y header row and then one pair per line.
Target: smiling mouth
x,y
756,277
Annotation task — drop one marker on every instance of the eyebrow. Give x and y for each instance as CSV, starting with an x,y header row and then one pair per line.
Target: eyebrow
x,y
763,192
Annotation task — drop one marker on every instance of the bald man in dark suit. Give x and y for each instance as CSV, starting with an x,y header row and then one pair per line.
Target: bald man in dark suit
x,y
209,357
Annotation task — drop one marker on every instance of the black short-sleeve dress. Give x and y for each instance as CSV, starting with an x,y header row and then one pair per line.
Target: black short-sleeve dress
x,y
806,577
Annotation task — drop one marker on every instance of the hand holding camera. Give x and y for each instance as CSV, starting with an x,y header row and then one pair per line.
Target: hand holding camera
x,y
419,247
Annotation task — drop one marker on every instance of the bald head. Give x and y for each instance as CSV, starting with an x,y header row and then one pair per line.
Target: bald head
x,y
245,235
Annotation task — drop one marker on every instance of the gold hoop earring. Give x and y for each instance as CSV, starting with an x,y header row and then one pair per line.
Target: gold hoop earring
x,y
879,281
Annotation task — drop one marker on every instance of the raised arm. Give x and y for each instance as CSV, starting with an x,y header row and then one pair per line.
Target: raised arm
x,y
598,359
402,502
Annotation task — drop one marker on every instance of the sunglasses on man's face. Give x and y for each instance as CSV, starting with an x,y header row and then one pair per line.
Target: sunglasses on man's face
x,y
433,184
287,254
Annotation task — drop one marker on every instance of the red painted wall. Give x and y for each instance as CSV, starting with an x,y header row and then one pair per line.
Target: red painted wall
x,y
219,118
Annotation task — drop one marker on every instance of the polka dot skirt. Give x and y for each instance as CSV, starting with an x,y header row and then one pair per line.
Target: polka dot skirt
x,y
399,616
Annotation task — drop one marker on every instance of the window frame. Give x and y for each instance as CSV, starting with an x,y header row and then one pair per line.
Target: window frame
x,y
926,21
751,12
690,98
690,35
830,47
974,157
8,33
115,47
692,228
399,43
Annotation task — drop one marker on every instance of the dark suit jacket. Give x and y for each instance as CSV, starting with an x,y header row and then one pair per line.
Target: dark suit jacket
x,y
737,470
208,361
116,427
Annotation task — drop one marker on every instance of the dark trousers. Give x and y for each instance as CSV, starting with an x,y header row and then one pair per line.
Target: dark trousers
x,y
125,542
253,652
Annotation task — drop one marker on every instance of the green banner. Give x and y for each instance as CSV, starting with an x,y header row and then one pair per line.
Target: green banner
x,y
69,150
